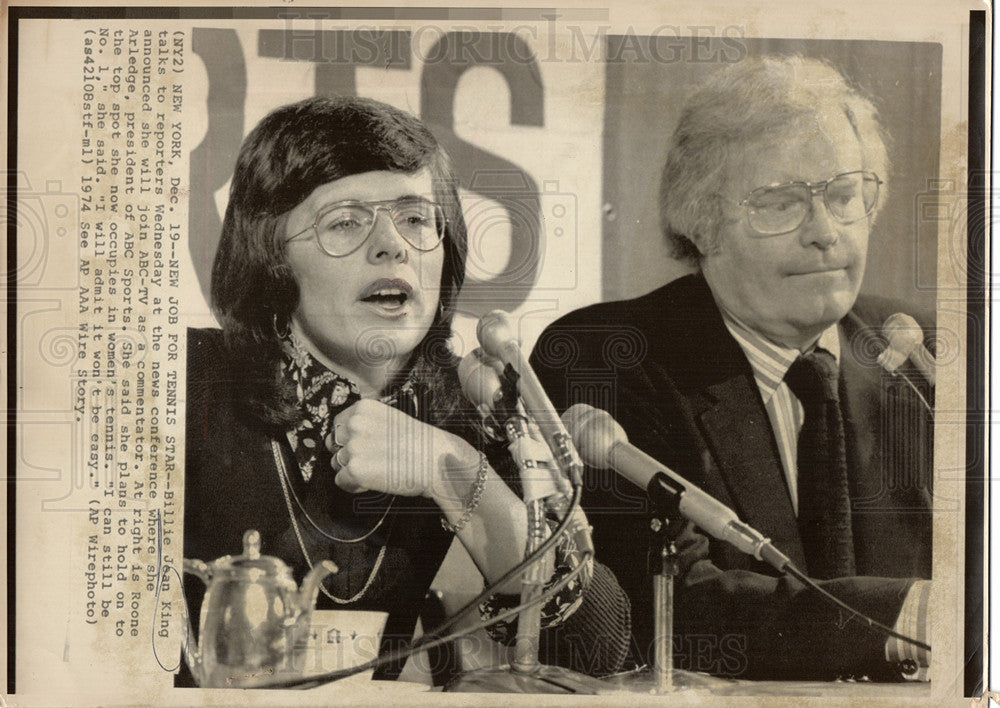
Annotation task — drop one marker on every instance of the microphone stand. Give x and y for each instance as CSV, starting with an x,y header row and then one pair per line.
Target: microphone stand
x,y
665,524
526,674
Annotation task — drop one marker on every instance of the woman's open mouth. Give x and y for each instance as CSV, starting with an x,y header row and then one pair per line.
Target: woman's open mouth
x,y
388,295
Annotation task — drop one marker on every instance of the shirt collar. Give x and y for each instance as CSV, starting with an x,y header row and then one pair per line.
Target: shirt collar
x,y
310,374
770,361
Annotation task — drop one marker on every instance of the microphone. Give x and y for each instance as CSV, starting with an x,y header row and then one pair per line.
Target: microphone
x,y
540,474
479,375
496,335
603,444
543,487
906,341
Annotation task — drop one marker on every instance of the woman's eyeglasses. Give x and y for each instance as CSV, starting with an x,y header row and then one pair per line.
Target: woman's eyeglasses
x,y
779,209
342,228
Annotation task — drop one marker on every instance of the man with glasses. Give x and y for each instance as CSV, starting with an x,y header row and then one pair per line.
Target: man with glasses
x,y
755,379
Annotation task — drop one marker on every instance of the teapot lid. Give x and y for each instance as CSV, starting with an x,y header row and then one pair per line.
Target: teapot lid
x,y
252,559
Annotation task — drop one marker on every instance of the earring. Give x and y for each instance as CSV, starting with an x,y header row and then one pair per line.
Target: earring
x,y
284,331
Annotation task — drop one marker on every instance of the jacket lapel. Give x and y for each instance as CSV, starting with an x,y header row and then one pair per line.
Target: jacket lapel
x,y
738,434
715,378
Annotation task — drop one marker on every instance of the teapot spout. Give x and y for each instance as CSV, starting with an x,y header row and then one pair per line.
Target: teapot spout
x,y
310,586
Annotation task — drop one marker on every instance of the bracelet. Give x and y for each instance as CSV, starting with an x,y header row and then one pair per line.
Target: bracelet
x,y
474,496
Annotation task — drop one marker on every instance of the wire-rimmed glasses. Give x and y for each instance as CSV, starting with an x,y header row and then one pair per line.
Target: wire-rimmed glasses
x,y
343,227
781,208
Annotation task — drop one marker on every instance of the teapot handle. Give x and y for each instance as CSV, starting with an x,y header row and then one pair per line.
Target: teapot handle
x,y
192,652
198,568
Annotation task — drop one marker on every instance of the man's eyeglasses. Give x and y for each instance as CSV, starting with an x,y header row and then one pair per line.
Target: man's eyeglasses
x,y
342,228
779,209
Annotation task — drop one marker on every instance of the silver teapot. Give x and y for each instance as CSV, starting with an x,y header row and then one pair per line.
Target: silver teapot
x,y
254,620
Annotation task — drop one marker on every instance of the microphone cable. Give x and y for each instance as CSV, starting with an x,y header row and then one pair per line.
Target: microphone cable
x,y
790,568
898,374
874,624
518,569
434,637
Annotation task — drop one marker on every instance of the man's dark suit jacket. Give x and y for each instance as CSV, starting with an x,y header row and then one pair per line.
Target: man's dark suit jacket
x,y
665,366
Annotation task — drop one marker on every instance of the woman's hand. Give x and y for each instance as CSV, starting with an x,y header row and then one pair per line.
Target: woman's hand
x,y
386,450
389,451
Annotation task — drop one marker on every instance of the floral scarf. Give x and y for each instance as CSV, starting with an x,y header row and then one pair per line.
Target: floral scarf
x,y
321,394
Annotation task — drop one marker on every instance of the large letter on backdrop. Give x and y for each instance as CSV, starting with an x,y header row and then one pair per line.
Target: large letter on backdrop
x,y
483,172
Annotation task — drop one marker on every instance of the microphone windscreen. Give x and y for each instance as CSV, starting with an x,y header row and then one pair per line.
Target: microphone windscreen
x,y
480,381
494,331
594,433
904,335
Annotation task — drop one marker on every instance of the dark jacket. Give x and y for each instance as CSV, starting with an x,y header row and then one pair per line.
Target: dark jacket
x,y
665,366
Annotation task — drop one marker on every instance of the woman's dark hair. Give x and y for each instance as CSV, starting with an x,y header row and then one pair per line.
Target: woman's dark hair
x,y
290,153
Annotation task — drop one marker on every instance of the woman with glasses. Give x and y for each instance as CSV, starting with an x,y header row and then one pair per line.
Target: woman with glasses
x,y
327,412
